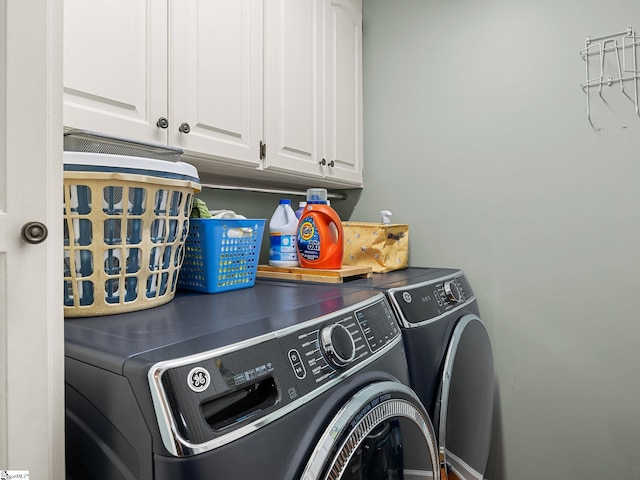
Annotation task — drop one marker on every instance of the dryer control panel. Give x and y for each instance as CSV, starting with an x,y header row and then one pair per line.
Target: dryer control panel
x,y
424,302
210,399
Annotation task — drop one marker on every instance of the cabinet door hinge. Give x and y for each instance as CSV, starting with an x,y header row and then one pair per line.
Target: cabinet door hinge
x,y
263,150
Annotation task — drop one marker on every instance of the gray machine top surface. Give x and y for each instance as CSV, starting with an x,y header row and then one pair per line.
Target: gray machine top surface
x,y
396,278
416,279
198,322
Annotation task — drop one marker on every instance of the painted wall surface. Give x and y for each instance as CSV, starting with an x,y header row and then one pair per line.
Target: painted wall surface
x,y
476,134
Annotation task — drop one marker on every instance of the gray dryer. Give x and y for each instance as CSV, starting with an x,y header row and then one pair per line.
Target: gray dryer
x,y
449,357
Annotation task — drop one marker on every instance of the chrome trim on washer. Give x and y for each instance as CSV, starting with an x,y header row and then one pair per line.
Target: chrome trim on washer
x,y
179,447
447,372
404,323
326,343
446,379
384,410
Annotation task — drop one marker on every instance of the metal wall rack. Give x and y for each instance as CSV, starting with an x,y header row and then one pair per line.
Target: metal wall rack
x,y
623,48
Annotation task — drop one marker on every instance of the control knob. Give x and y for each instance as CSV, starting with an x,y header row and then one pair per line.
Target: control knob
x,y
338,345
452,291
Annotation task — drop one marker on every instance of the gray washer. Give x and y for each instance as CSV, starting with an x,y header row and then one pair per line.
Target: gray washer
x,y
269,382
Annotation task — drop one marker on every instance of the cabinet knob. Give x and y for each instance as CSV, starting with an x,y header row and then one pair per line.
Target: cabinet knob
x,y
162,122
332,164
322,162
184,127
34,232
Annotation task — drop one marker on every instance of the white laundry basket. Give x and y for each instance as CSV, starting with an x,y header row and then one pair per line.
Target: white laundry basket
x,y
126,221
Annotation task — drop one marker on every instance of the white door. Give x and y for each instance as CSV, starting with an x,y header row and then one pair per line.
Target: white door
x,y
293,93
31,323
216,78
115,68
343,142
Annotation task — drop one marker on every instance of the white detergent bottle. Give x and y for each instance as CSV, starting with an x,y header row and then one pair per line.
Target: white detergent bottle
x,y
283,228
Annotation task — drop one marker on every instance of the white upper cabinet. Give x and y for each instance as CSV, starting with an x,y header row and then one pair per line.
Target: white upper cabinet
x,y
218,78
115,67
293,101
343,90
216,81
313,89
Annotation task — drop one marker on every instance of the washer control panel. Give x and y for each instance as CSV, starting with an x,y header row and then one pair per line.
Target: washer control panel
x,y
206,400
426,301
322,351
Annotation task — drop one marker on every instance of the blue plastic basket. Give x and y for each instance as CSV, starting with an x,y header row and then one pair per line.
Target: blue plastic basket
x,y
221,254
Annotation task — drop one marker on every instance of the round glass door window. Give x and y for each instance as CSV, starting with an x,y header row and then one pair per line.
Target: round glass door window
x,y
382,433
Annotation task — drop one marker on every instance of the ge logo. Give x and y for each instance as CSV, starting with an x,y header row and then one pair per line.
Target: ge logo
x,y
407,297
198,379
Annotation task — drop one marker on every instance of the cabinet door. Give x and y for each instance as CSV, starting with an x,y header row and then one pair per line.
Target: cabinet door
x,y
343,105
216,78
115,64
293,128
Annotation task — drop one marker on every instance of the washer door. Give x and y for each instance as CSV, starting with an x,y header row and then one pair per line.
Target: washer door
x,y
464,409
383,432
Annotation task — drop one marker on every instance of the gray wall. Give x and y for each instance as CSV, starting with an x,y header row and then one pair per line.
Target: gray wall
x,y
476,135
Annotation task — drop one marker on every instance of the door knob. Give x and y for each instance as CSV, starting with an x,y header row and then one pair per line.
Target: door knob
x,y
332,164
185,127
34,232
162,122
